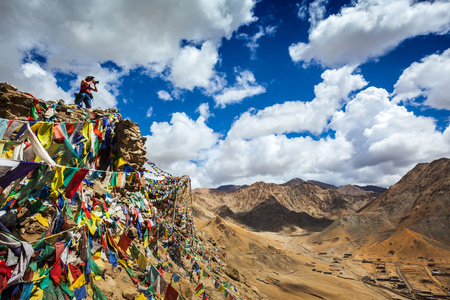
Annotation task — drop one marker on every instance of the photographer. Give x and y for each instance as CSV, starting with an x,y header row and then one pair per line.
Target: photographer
x,y
85,94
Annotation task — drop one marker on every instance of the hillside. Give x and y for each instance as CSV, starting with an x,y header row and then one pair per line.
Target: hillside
x,y
80,216
418,204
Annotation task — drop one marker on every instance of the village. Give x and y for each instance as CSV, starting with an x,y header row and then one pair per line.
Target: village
x,y
420,278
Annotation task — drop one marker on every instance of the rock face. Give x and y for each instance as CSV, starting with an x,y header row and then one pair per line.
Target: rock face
x,y
131,145
16,105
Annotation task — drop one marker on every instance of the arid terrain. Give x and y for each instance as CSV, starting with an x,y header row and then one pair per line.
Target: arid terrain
x,y
309,240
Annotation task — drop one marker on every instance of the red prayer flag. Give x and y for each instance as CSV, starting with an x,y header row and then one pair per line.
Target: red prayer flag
x,y
95,202
69,128
97,131
75,272
104,245
124,242
171,293
86,211
113,244
56,271
75,182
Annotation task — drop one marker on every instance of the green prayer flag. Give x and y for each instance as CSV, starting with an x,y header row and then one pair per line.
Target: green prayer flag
x,y
68,174
98,294
33,266
65,289
44,282
48,251
34,113
134,251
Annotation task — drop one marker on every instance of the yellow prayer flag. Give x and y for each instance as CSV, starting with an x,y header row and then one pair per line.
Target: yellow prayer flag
x,y
36,293
43,221
58,180
45,135
221,288
140,297
122,262
93,227
79,282
36,126
70,277
87,134
146,242
119,179
142,262
120,162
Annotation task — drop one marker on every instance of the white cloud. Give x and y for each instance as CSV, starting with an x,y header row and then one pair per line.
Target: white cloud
x,y
429,78
317,10
203,109
130,34
374,140
149,112
302,10
164,95
244,87
183,139
252,41
194,67
298,116
368,30
387,138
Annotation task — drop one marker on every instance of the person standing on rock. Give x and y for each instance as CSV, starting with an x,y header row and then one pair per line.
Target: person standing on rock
x,y
85,94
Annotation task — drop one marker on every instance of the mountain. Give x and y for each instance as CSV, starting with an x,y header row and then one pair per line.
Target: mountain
x,y
295,196
419,205
322,184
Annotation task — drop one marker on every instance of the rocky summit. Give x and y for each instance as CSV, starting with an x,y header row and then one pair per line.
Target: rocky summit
x,y
85,215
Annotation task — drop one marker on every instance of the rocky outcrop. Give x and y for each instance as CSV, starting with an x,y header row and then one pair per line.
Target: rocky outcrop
x,y
131,145
16,105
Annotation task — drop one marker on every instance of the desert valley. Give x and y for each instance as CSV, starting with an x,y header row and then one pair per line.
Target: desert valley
x,y
310,240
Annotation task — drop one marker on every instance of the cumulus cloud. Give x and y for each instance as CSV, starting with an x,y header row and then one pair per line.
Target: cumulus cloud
x,y
164,95
147,35
276,157
194,67
183,139
386,137
372,135
368,29
245,86
429,78
203,110
299,116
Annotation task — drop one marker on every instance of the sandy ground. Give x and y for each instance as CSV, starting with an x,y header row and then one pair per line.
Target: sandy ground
x,y
283,265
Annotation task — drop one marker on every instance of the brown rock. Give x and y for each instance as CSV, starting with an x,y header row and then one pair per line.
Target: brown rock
x,y
130,294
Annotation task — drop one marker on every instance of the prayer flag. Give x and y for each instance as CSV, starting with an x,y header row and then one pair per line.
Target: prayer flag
x,y
124,242
171,293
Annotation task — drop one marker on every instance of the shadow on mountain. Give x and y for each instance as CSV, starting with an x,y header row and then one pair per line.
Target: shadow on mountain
x,y
270,215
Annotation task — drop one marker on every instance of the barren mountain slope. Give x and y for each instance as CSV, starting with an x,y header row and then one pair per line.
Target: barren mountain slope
x,y
419,202
308,198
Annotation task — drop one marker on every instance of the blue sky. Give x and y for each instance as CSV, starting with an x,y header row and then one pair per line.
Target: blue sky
x,y
238,91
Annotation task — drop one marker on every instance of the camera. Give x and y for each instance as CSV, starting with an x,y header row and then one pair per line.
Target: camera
x,y
96,81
